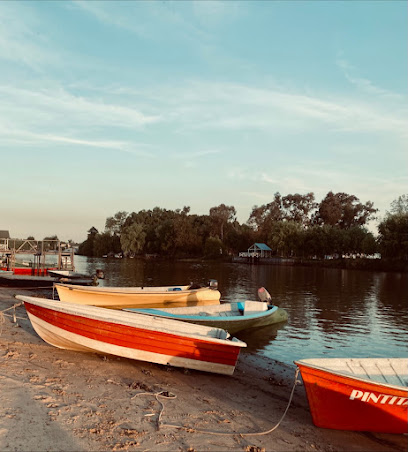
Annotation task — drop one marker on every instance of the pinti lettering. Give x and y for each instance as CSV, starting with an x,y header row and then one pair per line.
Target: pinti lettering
x,y
384,399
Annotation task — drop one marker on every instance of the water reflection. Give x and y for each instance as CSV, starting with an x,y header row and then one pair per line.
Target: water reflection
x,y
332,312
258,339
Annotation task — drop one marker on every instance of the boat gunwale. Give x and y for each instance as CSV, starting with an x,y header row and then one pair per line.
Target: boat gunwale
x,y
109,290
220,318
340,373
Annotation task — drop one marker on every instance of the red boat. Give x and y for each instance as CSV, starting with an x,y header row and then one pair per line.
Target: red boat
x,y
132,335
367,394
30,271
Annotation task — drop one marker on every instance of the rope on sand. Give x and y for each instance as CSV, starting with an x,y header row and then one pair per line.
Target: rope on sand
x,y
169,395
2,315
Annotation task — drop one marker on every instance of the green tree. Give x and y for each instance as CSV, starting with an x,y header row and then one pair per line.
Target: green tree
x,y
186,240
115,224
393,236
344,211
133,238
400,205
369,245
299,208
86,248
221,215
285,238
238,237
106,243
262,217
213,248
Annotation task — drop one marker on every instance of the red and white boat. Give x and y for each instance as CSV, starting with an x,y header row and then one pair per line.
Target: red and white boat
x,y
363,394
136,336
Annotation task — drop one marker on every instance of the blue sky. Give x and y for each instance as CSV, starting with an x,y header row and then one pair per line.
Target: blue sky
x,y
111,106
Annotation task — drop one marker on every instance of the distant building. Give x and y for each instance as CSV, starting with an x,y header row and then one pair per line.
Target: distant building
x,y
257,250
93,231
4,236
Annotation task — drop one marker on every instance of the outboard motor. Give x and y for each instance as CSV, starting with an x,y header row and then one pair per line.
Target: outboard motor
x,y
264,295
213,284
100,274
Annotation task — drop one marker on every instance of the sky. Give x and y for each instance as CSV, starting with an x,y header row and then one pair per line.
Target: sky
x,y
124,106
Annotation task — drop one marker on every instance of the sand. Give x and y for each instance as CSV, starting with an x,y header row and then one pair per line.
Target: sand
x,y
59,400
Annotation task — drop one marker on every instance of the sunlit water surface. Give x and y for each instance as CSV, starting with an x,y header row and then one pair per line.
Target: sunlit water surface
x,y
332,312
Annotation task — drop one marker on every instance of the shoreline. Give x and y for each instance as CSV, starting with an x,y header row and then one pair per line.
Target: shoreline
x,y
362,264
54,399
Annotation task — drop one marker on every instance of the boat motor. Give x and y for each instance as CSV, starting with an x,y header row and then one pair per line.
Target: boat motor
x,y
213,284
264,295
100,274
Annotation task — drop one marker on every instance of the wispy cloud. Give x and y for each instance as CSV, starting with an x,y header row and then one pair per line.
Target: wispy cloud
x,y
194,159
206,105
23,41
54,115
362,83
155,19
29,139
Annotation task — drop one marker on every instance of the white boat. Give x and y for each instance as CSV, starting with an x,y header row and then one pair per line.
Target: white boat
x,y
136,336
233,317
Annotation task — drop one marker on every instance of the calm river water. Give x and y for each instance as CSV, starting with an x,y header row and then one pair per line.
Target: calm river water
x,y
332,312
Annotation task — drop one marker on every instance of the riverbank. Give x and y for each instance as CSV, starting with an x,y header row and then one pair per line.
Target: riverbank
x,y
52,399
379,265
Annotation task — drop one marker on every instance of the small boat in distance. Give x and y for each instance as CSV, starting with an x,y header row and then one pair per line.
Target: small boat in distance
x,y
232,317
362,394
10,279
72,277
130,335
140,297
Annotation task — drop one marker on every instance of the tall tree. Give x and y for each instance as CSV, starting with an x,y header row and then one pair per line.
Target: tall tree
x,y
133,238
263,217
221,215
285,238
393,231
114,224
400,205
298,208
344,210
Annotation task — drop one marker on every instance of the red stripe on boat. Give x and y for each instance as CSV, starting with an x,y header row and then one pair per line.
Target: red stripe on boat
x,y
139,338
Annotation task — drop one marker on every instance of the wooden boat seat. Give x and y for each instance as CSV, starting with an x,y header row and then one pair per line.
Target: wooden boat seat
x,y
255,306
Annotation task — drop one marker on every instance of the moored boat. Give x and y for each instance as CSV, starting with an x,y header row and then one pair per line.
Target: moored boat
x,y
130,335
233,317
30,271
10,279
362,394
138,297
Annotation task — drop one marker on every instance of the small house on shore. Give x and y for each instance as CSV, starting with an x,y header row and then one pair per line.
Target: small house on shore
x,y
257,250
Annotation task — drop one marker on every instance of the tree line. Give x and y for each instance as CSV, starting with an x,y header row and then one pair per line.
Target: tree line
x,y
294,225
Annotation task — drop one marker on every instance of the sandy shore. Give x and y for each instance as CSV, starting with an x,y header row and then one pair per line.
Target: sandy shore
x,y
57,400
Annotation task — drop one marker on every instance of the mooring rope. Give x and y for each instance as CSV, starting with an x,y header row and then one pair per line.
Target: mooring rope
x,y
2,315
167,395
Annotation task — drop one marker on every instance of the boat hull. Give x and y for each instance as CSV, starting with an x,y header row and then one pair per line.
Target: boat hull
x,y
343,402
31,271
123,298
22,280
92,329
221,317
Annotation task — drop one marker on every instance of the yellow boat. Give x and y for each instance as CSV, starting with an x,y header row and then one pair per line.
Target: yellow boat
x,y
139,297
